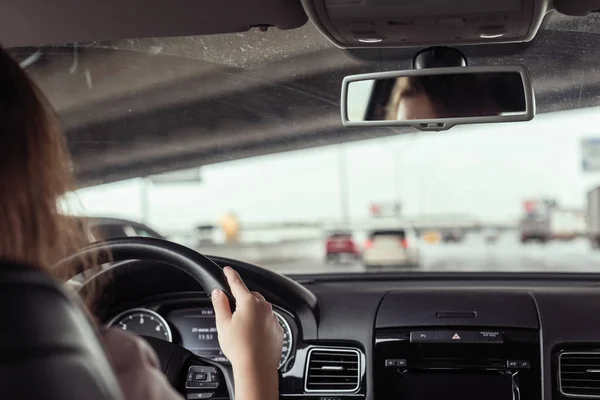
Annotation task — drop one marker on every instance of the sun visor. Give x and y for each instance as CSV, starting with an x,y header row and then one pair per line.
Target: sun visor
x,y
38,22
410,23
578,8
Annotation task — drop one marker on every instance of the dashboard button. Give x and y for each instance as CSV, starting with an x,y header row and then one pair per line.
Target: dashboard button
x,y
200,376
524,364
422,336
456,336
521,364
489,336
395,363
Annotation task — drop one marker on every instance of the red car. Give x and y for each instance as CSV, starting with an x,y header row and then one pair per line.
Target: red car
x,y
340,245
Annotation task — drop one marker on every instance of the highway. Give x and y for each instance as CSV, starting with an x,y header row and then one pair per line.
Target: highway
x,y
473,254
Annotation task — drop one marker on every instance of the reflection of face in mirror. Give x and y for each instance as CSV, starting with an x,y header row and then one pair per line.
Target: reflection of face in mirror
x,y
441,96
409,102
423,97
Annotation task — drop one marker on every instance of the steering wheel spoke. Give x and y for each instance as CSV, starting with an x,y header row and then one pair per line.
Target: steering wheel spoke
x,y
194,376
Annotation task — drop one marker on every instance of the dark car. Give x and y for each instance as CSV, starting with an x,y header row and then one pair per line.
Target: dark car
x,y
101,228
452,236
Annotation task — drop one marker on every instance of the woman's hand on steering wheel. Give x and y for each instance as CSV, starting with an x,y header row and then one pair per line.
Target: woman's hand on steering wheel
x,y
251,334
250,337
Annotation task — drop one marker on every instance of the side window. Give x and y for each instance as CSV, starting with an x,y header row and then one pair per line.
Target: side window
x,y
130,230
141,232
103,232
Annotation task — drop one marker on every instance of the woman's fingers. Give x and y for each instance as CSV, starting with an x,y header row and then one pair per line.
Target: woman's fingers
x,y
258,296
222,308
238,287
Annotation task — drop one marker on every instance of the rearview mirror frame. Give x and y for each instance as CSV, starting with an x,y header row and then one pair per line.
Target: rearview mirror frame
x,y
445,123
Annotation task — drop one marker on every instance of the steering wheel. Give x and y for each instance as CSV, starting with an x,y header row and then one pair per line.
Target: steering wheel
x,y
196,377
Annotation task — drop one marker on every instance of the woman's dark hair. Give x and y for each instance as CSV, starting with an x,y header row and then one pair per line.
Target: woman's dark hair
x,y
35,174
457,95
471,95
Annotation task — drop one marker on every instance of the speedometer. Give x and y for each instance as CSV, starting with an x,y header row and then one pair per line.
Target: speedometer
x,y
286,350
144,322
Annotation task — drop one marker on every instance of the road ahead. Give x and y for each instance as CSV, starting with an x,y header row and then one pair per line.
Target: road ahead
x,y
508,254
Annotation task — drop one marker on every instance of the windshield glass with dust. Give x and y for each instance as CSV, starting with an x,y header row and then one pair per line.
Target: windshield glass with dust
x,y
233,145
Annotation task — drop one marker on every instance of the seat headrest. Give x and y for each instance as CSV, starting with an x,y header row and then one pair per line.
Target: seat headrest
x,y
48,347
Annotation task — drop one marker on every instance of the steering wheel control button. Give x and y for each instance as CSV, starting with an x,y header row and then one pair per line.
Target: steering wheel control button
x,y
201,377
490,336
202,369
204,395
395,363
201,385
422,336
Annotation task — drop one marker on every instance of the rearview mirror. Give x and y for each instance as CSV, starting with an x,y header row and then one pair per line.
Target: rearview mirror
x,y
438,98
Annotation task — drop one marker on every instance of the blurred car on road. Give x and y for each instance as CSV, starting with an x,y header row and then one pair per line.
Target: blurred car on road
x,y
340,245
491,235
390,248
101,228
535,227
452,235
432,237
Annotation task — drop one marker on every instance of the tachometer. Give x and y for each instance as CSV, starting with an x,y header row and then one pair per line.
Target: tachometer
x,y
143,322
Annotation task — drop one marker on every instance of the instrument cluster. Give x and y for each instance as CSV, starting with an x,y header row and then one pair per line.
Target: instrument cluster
x,y
193,328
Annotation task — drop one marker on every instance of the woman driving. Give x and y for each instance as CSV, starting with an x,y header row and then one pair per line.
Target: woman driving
x,y
36,172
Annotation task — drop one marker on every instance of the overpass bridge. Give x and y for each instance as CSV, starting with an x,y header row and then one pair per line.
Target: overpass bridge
x,y
141,107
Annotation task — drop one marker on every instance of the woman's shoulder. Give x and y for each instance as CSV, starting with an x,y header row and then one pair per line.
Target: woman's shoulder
x,y
125,348
137,367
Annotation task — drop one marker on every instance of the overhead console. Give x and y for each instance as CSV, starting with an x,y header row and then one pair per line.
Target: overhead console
x,y
457,345
409,23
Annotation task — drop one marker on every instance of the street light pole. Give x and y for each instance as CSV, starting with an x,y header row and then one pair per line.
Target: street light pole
x,y
396,170
343,178
144,200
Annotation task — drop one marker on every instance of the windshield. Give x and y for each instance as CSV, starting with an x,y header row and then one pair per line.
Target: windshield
x,y
233,145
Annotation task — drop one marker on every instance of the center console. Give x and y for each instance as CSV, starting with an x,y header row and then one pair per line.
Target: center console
x,y
456,348
453,364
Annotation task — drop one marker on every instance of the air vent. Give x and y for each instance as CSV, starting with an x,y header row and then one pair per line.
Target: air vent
x,y
579,374
331,370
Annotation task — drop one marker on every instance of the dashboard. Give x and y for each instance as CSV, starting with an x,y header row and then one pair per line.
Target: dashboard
x,y
396,337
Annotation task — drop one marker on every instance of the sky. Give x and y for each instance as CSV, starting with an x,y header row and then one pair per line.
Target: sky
x,y
485,171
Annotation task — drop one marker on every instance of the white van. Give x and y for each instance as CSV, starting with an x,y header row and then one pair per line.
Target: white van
x,y
392,247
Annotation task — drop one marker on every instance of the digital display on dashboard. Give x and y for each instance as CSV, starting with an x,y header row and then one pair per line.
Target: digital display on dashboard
x,y
458,385
198,331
